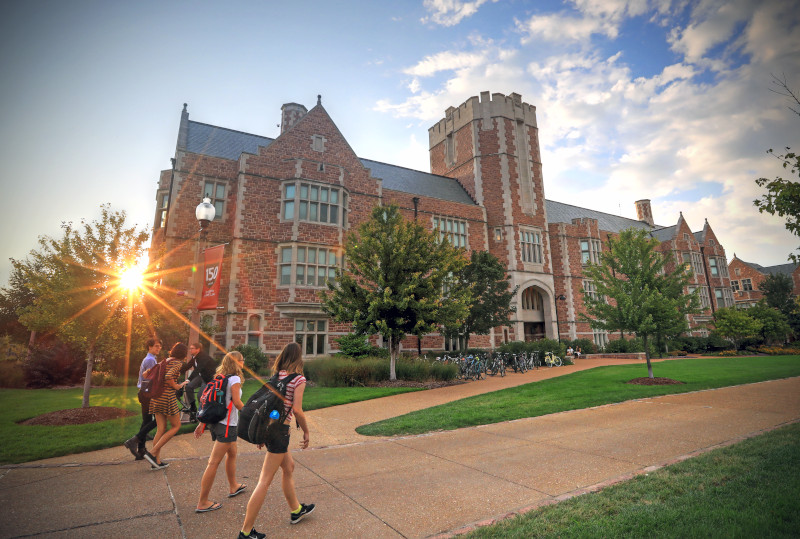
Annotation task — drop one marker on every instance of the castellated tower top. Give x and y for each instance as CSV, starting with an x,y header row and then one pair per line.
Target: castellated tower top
x,y
485,107
644,212
291,114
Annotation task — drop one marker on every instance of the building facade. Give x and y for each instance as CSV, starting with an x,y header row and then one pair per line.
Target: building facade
x,y
746,279
285,205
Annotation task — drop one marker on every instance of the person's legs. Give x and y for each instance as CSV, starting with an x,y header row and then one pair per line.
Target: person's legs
x,y
287,482
161,428
217,454
230,467
175,425
148,423
189,388
271,464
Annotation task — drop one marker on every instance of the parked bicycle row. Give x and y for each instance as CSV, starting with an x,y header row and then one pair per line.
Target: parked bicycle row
x,y
478,366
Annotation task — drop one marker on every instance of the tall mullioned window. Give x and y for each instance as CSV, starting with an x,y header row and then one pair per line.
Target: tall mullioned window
x,y
306,265
531,243
216,192
314,203
454,230
590,251
311,335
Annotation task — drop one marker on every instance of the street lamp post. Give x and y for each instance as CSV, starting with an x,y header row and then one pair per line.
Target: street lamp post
x,y
205,213
561,297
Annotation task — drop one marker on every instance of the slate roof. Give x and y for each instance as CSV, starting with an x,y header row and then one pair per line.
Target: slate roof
x,y
700,236
786,269
416,182
216,141
558,212
665,233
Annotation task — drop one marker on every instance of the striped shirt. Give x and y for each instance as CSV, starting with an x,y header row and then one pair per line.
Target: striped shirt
x,y
294,384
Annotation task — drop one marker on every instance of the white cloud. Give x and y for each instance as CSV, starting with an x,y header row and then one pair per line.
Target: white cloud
x,y
445,61
450,12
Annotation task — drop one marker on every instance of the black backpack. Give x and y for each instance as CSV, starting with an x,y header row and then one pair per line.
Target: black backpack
x,y
212,401
254,420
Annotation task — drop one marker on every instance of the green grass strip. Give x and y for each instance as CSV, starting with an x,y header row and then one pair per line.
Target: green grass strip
x,y
25,443
584,389
749,489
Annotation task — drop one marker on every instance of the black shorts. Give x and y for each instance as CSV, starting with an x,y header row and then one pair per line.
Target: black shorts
x,y
218,433
278,440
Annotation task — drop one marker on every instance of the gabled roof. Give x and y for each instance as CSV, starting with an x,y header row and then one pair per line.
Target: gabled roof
x,y
415,182
665,233
700,236
785,269
558,212
216,141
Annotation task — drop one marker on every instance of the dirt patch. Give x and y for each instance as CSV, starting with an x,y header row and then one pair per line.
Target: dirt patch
x,y
425,385
655,381
78,416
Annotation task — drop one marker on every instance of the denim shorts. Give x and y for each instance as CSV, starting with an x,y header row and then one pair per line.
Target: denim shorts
x,y
278,440
218,433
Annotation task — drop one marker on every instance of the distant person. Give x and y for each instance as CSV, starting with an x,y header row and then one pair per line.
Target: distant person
x,y
136,445
289,361
165,407
570,351
203,367
224,436
578,352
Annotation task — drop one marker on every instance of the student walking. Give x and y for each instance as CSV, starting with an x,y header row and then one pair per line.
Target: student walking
x,y
224,435
203,367
289,361
136,444
165,407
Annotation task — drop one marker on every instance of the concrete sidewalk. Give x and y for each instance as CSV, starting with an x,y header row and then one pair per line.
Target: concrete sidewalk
x,y
414,486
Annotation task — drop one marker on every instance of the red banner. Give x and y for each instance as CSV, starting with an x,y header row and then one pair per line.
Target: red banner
x,y
212,259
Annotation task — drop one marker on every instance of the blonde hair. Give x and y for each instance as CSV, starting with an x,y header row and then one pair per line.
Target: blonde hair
x,y
229,365
290,359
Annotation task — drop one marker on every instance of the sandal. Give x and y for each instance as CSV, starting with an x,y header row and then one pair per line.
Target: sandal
x,y
238,491
213,507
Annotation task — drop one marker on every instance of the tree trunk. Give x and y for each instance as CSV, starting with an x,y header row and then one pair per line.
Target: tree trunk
x,y
87,383
31,344
393,348
647,357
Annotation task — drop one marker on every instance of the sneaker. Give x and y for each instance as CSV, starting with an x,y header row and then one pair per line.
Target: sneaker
x,y
148,456
252,535
304,510
133,446
159,466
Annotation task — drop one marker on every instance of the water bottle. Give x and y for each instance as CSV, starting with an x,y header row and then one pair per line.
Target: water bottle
x,y
274,414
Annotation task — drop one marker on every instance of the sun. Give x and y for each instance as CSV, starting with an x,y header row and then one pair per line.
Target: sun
x,y
131,278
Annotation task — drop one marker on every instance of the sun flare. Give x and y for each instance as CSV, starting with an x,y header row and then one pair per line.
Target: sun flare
x,y
132,278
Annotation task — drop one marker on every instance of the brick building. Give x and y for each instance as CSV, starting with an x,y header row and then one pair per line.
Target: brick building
x,y
746,278
285,204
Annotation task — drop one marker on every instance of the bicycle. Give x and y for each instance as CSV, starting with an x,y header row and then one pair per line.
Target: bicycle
x,y
552,360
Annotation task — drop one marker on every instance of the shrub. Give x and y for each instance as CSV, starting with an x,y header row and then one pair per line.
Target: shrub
x,y
255,359
541,346
727,353
677,353
103,378
353,345
340,371
778,351
12,374
587,346
54,366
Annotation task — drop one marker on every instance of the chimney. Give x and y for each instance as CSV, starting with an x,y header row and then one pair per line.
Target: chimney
x,y
290,115
643,211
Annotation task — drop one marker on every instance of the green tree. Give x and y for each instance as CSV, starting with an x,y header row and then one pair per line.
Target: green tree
x,y
774,324
491,293
76,287
645,299
778,290
13,297
735,325
783,195
395,280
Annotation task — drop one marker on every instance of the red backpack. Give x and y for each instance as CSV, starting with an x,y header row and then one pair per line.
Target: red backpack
x,y
153,380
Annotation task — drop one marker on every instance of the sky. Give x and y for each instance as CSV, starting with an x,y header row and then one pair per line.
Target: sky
x,y
672,101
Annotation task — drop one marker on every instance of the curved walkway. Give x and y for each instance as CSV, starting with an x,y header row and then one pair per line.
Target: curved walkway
x,y
414,486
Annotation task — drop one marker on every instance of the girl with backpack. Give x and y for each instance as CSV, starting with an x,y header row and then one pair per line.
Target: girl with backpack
x,y
165,407
288,362
224,435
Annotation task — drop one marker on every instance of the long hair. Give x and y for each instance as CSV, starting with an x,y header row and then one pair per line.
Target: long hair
x,y
290,359
229,365
179,351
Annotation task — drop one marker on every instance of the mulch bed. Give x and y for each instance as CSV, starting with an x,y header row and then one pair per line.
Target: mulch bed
x,y
78,416
426,385
655,381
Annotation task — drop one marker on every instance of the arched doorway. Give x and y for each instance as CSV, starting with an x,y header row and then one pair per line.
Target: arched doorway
x,y
532,313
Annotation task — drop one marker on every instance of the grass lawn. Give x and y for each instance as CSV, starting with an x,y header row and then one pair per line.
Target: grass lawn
x,y
584,389
24,443
750,489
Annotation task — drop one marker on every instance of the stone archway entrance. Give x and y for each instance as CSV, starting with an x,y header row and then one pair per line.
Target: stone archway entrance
x,y
531,313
